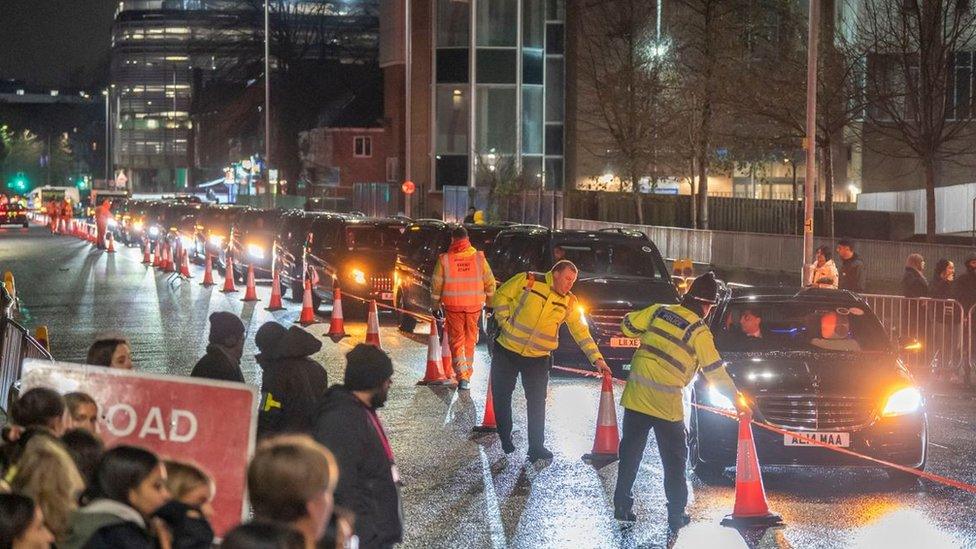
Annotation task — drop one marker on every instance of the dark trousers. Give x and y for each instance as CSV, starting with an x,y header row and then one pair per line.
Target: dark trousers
x,y
505,368
672,443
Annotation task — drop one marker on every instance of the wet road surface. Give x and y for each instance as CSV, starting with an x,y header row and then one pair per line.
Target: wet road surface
x,y
460,490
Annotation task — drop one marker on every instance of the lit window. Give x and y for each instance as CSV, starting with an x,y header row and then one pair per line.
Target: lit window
x,y
362,147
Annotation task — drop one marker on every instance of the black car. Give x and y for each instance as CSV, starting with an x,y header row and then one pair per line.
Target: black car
x,y
619,271
13,214
252,241
358,253
131,222
815,362
213,232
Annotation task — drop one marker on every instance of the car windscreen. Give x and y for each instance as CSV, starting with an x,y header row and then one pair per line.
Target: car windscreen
x,y
785,326
595,258
373,237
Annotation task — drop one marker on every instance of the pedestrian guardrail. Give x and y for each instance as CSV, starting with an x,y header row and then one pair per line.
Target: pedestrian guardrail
x,y
939,325
16,344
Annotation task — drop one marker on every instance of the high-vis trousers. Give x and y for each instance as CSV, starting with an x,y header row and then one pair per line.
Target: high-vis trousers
x,y
462,335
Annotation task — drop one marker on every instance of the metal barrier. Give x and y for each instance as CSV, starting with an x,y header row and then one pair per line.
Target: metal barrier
x,y
938,324
16,344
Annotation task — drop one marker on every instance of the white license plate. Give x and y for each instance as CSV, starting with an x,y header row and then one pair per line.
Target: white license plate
x,y
842,440
632,342
386,296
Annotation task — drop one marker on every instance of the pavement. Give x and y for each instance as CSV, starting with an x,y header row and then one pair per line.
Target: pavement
x,y
461,490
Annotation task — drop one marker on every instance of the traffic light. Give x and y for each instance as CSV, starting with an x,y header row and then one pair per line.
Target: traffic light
x,y
19,182
82,183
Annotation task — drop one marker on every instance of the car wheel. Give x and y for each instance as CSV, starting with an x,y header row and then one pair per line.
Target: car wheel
x,y
405,323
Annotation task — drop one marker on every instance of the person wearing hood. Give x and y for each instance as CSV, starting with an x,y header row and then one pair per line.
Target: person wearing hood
x,y
292,384
223,358
462,283
941,285
853,275
964,288
129,487
824,272
347,424
913,283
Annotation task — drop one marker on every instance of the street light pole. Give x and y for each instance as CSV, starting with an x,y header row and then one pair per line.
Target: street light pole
x,y
267,100
811,140
407,111
108,128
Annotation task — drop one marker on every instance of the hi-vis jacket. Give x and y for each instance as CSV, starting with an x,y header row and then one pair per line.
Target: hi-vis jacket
x,y
674,344
529,313
462,281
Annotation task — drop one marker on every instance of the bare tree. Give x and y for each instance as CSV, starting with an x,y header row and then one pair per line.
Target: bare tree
x,y
912,47
624,66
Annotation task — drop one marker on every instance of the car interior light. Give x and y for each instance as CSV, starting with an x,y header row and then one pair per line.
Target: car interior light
x,y
718,400
358,276
903,401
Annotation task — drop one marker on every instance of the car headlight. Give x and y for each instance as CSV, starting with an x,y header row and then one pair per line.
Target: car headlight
x,y
216,240
718,400
154,231
358,277
255,251
903,401
186,242
138,225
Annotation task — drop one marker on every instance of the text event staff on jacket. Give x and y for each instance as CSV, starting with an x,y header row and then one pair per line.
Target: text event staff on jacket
x,y
461,285
675,344
529,309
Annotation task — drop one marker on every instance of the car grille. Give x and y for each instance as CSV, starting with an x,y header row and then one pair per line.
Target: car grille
x,y
381,283
817,413
606,321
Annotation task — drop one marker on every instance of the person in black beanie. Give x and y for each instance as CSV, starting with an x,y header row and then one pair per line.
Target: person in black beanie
x,y
347,424
223,358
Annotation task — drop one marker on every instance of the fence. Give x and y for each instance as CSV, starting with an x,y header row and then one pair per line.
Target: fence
x,y
16,344
376,199
885,261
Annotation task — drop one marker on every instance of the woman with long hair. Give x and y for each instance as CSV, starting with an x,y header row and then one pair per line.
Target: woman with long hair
x,y
22,524
46,473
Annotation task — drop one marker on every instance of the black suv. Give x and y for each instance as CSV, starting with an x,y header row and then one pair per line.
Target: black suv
x,y
619,272
213,230
252,241
358,252
816,362
423,242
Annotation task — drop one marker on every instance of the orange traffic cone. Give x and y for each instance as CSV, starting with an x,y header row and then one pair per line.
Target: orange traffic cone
x,y
208,280
373,326
337,327
250,292
607,439
229,287
751,508
433,376
185,266
158,256
274,304
111,244
146,252
447,358
488,424
308,312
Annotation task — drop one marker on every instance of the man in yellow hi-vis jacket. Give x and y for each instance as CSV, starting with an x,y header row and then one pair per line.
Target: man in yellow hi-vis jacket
x,y
529,309
675,343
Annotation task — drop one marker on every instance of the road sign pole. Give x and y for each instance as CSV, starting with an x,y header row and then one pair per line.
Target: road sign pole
x,y
811,140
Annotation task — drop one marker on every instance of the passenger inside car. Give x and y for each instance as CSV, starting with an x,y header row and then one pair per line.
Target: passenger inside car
x,y
782,327
751,323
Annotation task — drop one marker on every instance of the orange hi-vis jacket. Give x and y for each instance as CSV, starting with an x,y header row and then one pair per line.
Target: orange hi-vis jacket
x,y
462,281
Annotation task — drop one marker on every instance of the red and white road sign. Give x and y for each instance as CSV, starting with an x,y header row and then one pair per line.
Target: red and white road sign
x,y
209,423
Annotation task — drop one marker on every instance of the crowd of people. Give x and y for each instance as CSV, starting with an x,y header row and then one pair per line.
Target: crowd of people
x,y
323,474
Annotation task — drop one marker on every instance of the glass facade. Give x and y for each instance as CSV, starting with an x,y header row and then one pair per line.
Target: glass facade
x,y
499,90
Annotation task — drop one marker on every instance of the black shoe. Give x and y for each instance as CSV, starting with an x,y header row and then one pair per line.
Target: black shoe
x,y
464,385
508,447
675,522
541,453
623,514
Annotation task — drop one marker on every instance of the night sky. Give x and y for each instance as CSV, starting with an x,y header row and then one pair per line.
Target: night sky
x,y
55,42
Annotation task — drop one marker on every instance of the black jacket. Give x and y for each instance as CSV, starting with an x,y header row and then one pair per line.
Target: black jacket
x,y
292,384
217,365
913,284
940,288
190,530
366,480
853,275
105,524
